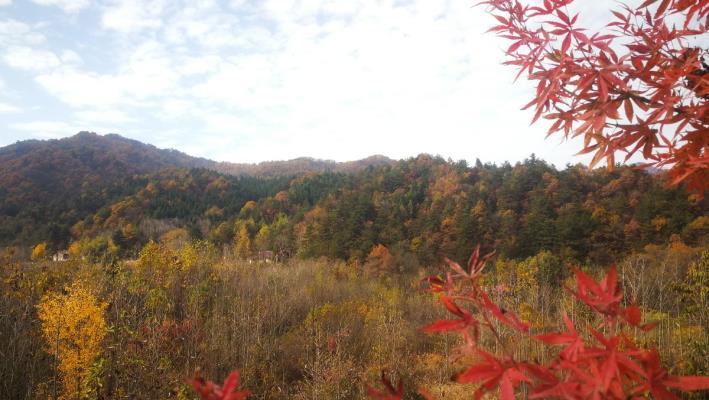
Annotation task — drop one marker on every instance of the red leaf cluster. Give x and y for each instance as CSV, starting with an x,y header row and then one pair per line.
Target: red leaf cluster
x,y
603,363
474,295
636,86
208,390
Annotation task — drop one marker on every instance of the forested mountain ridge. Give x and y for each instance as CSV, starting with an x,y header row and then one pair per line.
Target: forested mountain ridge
x,y
99,151
46,186
112,150
124,193
419,209
425,208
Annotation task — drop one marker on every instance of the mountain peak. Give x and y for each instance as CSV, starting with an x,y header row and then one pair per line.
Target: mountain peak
x,y
133,156
85,134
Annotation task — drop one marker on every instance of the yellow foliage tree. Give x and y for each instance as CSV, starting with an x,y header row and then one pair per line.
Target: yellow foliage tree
x,y
155,256
39,252
74,326
243,243
75,249
526,290
247,209
262,238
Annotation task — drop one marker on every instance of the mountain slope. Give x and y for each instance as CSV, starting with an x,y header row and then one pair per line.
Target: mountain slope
x,y
47,186
89,150
421,209
92,187
113,153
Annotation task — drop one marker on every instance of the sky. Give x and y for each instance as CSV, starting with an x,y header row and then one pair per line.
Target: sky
x,y
250,81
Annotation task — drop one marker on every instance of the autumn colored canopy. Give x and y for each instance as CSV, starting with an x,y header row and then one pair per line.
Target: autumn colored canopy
x,y
638,85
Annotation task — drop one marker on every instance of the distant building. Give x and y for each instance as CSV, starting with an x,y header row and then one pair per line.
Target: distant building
x,y
61,256
265,256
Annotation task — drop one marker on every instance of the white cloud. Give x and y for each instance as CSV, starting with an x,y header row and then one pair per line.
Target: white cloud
x,y
81,89
227,123
30,59
70,57
386,77
69,6
128,16
46,129
250,82
176,109
5,2
208,25
198,65
146,74
268,79
13,32
8,108
103,116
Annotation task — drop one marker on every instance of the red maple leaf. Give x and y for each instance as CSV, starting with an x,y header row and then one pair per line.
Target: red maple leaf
x,y
492,373
604,297
208,390
571,339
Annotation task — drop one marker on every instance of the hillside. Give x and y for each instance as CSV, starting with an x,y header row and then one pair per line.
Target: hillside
x,y
420,209
47,186
423,208
87,150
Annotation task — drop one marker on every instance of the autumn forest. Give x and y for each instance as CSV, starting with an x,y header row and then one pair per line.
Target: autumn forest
x,y
133,272
313,284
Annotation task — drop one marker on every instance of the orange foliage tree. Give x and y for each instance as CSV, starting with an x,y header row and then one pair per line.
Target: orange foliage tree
x,y
39,252
379,261
639,85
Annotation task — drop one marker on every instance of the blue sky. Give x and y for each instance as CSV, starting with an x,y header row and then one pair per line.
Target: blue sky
x,y
249,81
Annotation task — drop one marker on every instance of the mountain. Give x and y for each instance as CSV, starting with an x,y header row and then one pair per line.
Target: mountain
x,y
48,185
108,192
114,153
421,209
87,150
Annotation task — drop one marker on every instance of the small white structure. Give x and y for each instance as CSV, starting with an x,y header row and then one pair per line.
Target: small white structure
x,y
61,256
262,256
265,256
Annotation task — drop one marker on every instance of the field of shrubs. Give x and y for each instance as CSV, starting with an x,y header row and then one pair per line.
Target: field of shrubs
x,y
304,329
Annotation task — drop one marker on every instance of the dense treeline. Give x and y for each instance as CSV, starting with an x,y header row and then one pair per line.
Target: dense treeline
x,y
184,196
433,208
419,209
